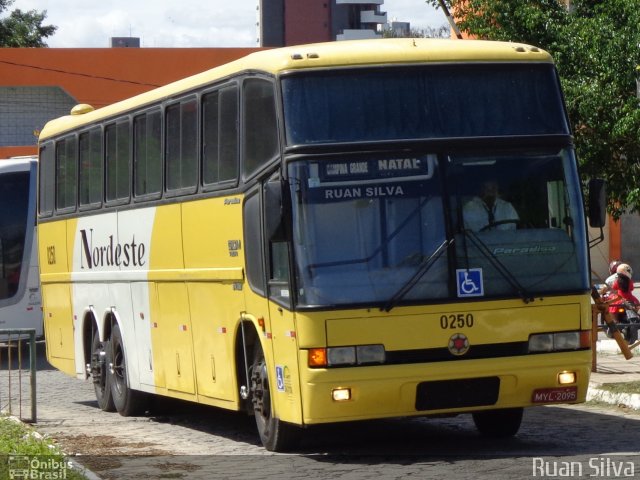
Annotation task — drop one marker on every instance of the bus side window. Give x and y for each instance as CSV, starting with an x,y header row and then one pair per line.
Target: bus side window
x,y
46,173
181,148
117,140
253,242
147,159
90,167
220,136
279,273
66,173
260,124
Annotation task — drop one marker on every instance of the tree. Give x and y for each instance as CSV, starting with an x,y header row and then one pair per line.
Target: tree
x,y
23,29
427,32
596,47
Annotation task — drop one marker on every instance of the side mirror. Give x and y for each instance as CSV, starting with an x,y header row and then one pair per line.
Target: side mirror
x,y
597,203
273,224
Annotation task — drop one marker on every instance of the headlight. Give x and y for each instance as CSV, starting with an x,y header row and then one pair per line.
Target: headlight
x,y
346,356
370,354
559,341
541,343
566,341
341,356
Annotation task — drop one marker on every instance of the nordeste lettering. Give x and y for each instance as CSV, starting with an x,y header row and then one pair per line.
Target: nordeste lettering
x,y
110,254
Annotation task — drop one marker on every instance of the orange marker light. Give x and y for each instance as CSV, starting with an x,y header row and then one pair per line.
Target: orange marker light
x,y
317,357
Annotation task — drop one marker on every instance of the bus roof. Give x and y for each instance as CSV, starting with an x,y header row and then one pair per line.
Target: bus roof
x,y
16,164
317,55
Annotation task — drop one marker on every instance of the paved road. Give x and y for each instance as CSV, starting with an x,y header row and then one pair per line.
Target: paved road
x,y
200,442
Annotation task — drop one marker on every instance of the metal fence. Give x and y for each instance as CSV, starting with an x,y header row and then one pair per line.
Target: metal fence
x,y
18,372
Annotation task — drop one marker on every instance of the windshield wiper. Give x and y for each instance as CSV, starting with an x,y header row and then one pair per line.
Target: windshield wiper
x,y
423,268
502,270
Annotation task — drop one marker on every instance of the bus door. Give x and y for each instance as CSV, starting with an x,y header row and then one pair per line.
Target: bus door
x,y
267,260
283,321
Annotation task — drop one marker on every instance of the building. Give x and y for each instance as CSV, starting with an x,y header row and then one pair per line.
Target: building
x,y
125,42
38,84
294,22
400,29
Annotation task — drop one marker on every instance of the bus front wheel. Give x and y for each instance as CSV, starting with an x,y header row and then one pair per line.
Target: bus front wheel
x,y
100,361
498,423
275,435
128,402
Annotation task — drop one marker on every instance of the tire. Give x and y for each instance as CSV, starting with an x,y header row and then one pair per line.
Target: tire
x,y
498,423
127,402
631,333
608,331
275,435
100,359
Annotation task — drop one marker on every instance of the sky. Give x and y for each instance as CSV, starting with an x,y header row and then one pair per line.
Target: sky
x,y
179,23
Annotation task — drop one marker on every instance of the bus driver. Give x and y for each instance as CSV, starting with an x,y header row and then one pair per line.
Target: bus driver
x,y
489,211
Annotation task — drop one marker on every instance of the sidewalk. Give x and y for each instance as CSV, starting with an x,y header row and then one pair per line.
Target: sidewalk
x,y
613,368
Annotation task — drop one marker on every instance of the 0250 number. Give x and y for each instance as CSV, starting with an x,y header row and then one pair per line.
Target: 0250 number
x,y
456,320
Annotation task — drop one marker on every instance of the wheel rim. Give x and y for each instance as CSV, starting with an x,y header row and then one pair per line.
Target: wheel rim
x,y
118,368
261,398
98,367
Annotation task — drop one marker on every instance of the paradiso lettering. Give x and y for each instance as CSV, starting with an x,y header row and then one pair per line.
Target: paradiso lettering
x,y
110,254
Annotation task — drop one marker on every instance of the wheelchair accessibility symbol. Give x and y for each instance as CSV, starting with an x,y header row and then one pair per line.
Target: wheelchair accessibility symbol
x,y
469,282
279,378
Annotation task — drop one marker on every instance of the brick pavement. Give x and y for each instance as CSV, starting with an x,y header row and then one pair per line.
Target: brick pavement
x,y
176,434
200,432
156,434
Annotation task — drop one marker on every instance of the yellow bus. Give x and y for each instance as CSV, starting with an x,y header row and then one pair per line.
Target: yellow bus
x,y
287,235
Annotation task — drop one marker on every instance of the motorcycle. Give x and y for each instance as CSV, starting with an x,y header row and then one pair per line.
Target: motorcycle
x,y
627,320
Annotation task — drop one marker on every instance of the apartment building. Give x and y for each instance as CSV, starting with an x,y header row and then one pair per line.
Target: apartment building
x,y
293,22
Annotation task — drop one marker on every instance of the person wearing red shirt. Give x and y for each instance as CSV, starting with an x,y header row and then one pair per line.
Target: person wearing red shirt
x,y
623,284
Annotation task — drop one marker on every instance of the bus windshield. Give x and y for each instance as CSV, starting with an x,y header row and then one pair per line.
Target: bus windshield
x,y
14,202
385,229
433,101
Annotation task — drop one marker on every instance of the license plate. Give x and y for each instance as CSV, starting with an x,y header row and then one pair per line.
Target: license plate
x,y
555,395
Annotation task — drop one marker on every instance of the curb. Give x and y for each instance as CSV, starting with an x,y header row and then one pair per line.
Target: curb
x,y
607,346
629,400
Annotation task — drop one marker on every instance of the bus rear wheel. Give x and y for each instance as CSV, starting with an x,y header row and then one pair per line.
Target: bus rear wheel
x,y
127,402
100,360
498,423
275,435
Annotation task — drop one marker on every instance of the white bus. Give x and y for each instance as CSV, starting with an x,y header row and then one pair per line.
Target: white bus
x,y
20,303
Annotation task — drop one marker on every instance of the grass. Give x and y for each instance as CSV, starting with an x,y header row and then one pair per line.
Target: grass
x,y
623,387
21,447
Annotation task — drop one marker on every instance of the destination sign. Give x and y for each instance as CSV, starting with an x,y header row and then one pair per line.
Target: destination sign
x,y
374,169
374,178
